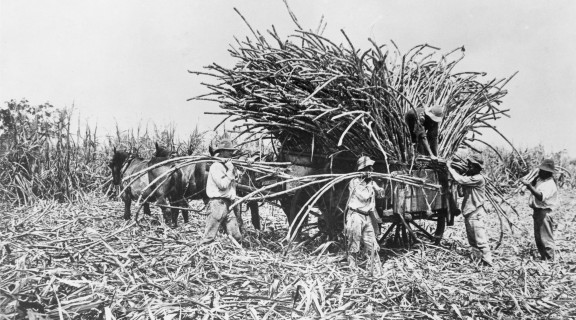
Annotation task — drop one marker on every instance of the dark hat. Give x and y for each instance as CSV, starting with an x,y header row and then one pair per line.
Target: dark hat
x,y
225,144
477,159
548,165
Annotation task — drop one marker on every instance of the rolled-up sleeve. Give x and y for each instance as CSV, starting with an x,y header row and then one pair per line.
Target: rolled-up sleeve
x,y
417,131
468,181
379,191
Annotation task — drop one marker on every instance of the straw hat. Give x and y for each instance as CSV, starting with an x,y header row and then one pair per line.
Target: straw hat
x,y
548,165
364,162
224,145
436,113
475,158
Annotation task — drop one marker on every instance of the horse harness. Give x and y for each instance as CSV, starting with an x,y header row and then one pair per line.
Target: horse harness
x,y
126,164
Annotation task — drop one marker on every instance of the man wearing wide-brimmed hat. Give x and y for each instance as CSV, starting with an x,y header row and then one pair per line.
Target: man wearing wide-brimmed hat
x,y
361,216
543,198
221,191
474,189
423,126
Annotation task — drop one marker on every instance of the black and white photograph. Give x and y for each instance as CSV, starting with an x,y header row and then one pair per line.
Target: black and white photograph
x,y
287,159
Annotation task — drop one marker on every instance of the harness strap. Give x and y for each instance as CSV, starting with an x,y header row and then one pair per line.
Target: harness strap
x,y
126,164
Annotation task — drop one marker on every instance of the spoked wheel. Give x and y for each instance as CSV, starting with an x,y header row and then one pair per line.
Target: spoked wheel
x,y
406,233
405,229
329,214
403,234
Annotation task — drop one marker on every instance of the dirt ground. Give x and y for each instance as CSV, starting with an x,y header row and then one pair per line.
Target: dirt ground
x,y
84,261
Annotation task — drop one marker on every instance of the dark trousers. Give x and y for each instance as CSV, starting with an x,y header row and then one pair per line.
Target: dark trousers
x,y
544,233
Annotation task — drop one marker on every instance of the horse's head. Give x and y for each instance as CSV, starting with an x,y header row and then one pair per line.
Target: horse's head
x,y
116,164
163,152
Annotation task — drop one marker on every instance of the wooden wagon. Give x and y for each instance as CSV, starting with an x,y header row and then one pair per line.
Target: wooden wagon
x,y
401,210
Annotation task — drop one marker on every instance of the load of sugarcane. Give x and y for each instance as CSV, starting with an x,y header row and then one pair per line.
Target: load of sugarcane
x,y
311,94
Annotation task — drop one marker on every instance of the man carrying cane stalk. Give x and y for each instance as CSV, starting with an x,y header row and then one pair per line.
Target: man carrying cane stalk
x,y
361,224
474,189
543,198
221,189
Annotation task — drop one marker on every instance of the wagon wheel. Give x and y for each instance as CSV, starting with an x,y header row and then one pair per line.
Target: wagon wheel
x,y
440,216
331,207
403,231
406,233
443,216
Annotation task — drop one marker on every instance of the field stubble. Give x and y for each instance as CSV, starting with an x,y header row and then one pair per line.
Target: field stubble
x,y
83,261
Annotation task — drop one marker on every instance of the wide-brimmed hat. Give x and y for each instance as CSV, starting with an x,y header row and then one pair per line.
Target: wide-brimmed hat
x,y
477,159
436,113
364,162
547,165
224,145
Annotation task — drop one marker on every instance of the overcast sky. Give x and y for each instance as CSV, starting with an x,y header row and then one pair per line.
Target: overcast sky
x,y
127,61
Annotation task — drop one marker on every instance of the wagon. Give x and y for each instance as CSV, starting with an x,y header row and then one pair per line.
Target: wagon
x,y
401,211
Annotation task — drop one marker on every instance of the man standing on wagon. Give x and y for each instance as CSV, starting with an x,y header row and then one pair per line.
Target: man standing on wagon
x,y
474,189
221,191
543,198
423,125
361,224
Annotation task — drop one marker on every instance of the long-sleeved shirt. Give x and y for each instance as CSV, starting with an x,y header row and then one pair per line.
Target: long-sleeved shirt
x,y
549,192
474,189
221,182
362,195
428,130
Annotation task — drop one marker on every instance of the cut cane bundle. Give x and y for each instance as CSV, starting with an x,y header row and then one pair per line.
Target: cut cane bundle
x,y
311,94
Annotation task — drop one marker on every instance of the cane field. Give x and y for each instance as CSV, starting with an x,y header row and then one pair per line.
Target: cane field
x,y
67,253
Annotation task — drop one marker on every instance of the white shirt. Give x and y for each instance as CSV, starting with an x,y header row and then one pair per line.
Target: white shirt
x,y
549,194
221,181
362,194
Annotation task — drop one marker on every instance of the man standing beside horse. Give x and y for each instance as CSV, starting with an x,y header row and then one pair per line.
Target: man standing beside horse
x,y
221,191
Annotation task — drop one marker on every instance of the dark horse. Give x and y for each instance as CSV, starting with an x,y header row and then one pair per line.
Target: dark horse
x,y
194,179
158,185
192,184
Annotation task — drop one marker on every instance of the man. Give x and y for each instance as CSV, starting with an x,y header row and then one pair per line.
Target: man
x,y
474,189
362,223
423,125
221,191
543,198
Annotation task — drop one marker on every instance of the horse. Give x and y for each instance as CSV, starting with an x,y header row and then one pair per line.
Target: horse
x,y
195,178
192,183
157,185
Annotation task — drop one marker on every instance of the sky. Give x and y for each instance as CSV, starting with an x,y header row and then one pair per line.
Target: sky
x,y
127,62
